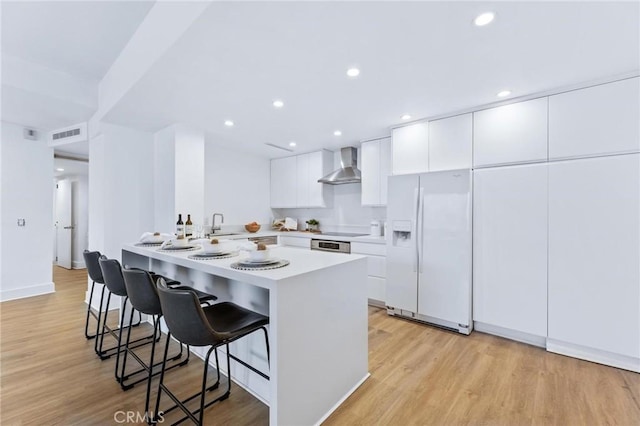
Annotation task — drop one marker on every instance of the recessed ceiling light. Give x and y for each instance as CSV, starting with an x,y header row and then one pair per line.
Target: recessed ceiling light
x,y
292,144
353,72
484,19
278,103
504,93
337,133
228,123
59,170
406,117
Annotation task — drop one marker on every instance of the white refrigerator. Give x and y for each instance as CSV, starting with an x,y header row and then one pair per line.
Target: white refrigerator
x,y
429,248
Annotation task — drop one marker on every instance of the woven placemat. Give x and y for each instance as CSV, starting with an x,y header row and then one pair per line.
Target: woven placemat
x,y
147,244
245,267
207,256
180,249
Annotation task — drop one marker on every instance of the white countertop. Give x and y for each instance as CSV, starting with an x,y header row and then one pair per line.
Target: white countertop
x,y
360,239
301,262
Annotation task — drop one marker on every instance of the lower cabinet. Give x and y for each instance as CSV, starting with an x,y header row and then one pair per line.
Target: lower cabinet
x,y
287,240
594,259
376,270
510,252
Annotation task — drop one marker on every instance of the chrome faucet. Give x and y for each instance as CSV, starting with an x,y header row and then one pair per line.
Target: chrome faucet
x,y
215,227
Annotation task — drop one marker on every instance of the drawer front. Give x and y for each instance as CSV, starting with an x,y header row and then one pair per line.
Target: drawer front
x,y
369,248
295,241
377,266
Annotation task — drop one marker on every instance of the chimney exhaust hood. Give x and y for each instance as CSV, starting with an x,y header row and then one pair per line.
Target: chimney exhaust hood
x,y
348,173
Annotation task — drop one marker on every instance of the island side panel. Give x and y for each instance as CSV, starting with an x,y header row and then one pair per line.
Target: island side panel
x,y
319,327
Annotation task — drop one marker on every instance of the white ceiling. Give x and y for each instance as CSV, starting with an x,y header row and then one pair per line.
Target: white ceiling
x,y
82,38
70,167
421,58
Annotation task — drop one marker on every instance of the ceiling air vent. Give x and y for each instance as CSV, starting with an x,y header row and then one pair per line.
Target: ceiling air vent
x,y
71,134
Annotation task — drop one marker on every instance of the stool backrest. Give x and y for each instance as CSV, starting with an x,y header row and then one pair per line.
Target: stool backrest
x,y
112,273
184,316
142,291
93,267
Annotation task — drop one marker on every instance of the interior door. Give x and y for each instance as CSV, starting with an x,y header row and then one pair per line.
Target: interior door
x,y
64,224
444,284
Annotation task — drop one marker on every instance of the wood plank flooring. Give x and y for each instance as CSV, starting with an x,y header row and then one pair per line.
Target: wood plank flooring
x,y
420,375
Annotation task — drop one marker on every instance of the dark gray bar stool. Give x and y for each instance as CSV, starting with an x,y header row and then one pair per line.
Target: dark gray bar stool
x,y
194,325
95,273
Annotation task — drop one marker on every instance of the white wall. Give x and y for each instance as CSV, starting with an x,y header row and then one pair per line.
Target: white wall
x,y
189,178
164,180
345,213
121,188
26,253
236,185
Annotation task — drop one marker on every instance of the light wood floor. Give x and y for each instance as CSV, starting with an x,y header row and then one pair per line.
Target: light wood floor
x,y
420,375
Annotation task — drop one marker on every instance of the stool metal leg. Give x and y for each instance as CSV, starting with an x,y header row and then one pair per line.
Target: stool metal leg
x,y
89,313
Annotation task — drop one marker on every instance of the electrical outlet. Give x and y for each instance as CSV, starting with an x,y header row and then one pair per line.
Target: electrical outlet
x,y
21,222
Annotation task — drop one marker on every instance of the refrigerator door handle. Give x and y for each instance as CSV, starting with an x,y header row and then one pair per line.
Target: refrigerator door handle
x,y
420,227
416,202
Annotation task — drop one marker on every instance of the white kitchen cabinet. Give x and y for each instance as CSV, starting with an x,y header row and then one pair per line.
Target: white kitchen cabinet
x,y
410,149
375,165
514,133
294,180
594,259
284,182
376,270
510,251
596,120
450,141
293,241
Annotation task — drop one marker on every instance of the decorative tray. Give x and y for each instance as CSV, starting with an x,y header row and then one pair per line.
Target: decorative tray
x,y
179,248
212,256
245,265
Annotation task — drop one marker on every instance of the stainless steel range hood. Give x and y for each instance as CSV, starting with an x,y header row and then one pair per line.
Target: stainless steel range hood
x,y
348,173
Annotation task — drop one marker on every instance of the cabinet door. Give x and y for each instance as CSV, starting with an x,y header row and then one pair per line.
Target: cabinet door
x,y
450,142
510,248
370,168
302,181
515,133
594,253
283,182
385,169
320,164
410,149
596,120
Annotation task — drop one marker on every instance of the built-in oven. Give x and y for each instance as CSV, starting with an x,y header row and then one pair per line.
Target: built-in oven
x,y
330,245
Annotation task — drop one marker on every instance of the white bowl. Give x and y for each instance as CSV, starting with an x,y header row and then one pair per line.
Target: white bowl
x,y
214,248
182,242
259,255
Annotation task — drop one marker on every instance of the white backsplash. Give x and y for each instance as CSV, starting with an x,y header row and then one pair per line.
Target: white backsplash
x,y
346,214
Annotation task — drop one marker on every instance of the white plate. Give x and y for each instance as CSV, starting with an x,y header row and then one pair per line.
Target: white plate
x,y
178,248
259,262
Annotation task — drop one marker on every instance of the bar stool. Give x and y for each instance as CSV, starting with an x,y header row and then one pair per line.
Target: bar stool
x,y
143,296
214,326
114,281
95,274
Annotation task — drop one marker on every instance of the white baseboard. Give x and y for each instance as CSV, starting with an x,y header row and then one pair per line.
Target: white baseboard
x,y
594,355
507,333
27,291
78,264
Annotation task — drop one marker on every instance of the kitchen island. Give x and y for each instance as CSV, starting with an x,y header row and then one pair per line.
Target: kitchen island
x,y
317,307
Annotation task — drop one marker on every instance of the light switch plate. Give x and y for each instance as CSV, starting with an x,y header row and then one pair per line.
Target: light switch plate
x,y
21,222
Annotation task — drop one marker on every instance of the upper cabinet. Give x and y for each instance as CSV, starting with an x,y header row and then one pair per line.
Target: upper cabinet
x,y
515,133
596,120
450,141
410,149
294,180
375,164
283,182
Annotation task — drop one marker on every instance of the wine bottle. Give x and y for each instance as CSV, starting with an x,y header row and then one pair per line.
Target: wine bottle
x,y
188,226
180,226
